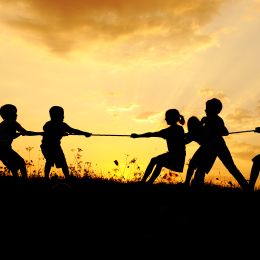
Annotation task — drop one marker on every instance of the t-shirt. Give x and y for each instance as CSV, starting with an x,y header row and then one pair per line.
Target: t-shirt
x,y
174,136
214,129
8,132
53,132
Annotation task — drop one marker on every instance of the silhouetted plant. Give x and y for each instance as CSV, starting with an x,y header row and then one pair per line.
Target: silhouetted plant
x,y
130,172
4,171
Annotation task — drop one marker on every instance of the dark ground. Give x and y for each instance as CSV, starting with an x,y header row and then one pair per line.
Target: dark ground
x,y
81,216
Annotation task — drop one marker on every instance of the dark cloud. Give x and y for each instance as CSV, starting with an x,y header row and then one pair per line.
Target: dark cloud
x,y
146,25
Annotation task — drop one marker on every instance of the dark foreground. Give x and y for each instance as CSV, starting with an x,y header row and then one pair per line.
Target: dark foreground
x,y
81,216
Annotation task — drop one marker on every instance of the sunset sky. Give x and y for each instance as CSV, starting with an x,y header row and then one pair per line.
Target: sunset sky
x,y
116,66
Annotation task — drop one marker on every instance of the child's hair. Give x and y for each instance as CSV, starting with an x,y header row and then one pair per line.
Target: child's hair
x,y
8,111
174,115
194,124
56,111
214,106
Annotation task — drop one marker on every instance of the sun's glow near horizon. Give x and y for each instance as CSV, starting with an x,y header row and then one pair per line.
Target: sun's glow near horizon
x,y
119,74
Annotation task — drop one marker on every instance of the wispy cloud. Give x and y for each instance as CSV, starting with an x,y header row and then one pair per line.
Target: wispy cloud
x,y
149,116
244,150
126,108
137,26
258,108
212,93
240,116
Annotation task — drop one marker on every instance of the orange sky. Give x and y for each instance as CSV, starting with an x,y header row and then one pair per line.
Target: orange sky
x,y
117,66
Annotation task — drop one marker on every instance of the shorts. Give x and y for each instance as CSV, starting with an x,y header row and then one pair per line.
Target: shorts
x,y
54,156
203,159
172,161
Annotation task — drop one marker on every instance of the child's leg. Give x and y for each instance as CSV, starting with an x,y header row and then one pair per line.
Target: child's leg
x,y
226,158
47,169
14,162
149,169
253,176
254,172
193,164
189,174
204,161
61,162
65,170
155,174
23,168
49,155
199,178
14,171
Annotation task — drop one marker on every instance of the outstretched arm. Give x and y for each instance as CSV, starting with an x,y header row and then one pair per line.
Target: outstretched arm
x,y
188,138
31,133
78,132
22,131
148,134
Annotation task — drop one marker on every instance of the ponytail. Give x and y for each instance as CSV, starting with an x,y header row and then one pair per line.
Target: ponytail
x,y
181,120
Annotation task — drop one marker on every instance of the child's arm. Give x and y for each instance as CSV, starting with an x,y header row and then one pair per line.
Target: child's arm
x,y
216,125
31,133
148,134
74,131
188,138
16,135
22,131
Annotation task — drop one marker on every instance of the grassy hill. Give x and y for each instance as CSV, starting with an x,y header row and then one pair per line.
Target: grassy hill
x,y
82,213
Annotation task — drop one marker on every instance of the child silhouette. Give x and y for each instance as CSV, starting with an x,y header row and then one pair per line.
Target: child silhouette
x,y
51,148
196,133
255,168
9,130
215,145
175,157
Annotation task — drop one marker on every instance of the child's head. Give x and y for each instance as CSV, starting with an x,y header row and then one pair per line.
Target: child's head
x,y
213,106
194,124
56,113
172,116
8,111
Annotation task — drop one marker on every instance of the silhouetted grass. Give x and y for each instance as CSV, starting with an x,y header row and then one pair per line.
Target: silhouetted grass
x,y
85,212
94,210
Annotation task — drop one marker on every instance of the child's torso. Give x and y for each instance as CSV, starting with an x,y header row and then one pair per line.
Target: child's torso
x,y
53,132
7,132
174,136
214,129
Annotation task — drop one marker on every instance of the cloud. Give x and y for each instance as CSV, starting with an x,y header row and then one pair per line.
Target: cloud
x,y
148,116
153,27
244,151
126,108
258,109
240,116
212,93
115,111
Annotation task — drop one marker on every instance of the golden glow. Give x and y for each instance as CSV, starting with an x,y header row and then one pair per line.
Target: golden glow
x,y
117,66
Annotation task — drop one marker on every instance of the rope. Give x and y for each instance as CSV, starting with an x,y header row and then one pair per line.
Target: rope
x,y
104,135
108,135
238,132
